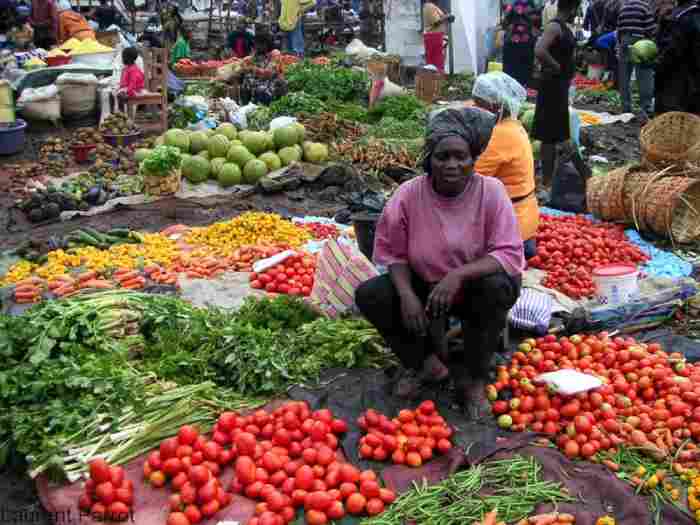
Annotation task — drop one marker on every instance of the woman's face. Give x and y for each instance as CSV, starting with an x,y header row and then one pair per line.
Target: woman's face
x,y
451,164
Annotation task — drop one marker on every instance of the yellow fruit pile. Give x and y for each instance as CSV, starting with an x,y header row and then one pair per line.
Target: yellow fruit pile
x,y
694,493
56,53
70,44
89,46
248,229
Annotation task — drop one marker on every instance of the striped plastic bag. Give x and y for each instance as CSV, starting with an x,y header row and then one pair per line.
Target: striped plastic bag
x,y
340,269
532,311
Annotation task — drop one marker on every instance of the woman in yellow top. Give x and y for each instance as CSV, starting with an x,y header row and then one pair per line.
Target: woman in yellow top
x,y
72,24
508,155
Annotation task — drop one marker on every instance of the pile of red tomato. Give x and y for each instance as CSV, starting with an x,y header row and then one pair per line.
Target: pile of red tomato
x,y
409,439
649,398
293,276
285,459
322,231
108,495
570,247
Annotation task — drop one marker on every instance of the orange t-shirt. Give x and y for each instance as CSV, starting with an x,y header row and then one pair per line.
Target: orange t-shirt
x,y
508,157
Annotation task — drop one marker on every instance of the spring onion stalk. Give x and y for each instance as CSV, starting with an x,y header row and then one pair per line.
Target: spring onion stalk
x,y
139,429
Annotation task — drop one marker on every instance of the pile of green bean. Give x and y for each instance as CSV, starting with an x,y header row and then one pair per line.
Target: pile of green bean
x,y
513,486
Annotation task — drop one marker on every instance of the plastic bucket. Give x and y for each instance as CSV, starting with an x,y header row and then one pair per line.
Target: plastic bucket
x,y
616,283
12,137
365,225
81,152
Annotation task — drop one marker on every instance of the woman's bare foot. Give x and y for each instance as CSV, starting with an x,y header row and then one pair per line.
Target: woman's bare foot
x,y
474,401
408,386
434,370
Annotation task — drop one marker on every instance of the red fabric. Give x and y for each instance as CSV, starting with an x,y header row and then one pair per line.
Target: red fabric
x,y
240,47
435,50
132,80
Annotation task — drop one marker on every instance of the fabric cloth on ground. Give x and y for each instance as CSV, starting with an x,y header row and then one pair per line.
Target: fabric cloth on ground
x,y
482,307
551,123
508,157
435,235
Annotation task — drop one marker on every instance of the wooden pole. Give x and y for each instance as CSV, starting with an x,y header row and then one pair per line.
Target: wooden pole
x,y
211,16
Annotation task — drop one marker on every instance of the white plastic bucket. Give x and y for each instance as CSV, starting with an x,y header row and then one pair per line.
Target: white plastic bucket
x,y
616,283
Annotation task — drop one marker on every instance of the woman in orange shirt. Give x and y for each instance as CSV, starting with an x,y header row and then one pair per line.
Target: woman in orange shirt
x,y
508,155
72,24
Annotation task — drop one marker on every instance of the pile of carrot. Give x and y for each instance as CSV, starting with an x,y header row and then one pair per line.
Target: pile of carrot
x,y
29,290
551,518
130,279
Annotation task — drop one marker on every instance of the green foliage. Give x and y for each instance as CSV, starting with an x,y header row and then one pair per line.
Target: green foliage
x,y
401,107
162,160
327,82
295,103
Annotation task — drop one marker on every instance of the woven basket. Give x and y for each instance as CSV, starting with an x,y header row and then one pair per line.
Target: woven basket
x,y
156,185
428,85
671,138
635,182
604,195
671,207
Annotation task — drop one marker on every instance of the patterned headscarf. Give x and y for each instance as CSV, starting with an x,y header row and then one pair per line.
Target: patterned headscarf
x,y
473,125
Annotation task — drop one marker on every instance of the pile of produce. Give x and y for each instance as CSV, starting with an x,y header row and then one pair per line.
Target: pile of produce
x,y
297,468
87,47
328,127
513,487
408,439
118,124
107,494
85,137
327,82
42,205
234,157
161,170
569,248
650,399
80,383
378,155
248,229
321,230
52,155
297,103
293,276
394,128
193,68
401,107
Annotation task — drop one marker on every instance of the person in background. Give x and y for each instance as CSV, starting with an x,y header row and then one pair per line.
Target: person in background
x,y
594,21
549,12
451,243
240,42
508,157
291,21
519,43
555,53
72,24
172,24
635,22
435,30
44,20
181,49
106,15
678,66
132,81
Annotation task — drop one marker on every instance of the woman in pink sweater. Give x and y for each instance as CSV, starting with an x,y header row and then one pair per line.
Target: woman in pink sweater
x,y
452,245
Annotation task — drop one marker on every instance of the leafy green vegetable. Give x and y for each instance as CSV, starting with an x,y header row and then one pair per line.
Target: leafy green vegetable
x,y
327,82
162,160
259,119
279,313
401,107
348,111
393,128
296,103
458,87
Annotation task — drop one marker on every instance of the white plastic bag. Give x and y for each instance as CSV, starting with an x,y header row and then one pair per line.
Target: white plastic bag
x,y
358,48
569,382
38,94
282,122
105,104
265,264
77,78
239,117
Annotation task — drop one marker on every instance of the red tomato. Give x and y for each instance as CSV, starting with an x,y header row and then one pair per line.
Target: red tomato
x,y
100,470
356,504
177,518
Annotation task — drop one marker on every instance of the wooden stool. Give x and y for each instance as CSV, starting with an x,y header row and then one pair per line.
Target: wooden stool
x,y
155,62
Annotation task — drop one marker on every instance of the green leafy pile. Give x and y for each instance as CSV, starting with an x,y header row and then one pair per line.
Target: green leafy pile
x,y
393,128
259,119
401,107
458,87
327,82
162,160
294,104
349,111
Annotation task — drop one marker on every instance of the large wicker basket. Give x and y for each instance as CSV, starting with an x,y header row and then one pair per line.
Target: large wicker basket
x,y
673,137
604,195
157,185
670,206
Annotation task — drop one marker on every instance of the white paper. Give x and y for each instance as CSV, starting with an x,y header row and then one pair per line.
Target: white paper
x,y
569,382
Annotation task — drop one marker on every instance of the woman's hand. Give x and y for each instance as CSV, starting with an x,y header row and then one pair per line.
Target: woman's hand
x,y
443,295
414,318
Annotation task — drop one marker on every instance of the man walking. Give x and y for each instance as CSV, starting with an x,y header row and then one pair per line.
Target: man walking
x,y
635,22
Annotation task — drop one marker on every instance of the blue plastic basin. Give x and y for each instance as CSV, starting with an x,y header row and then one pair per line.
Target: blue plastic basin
x,y
12,137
